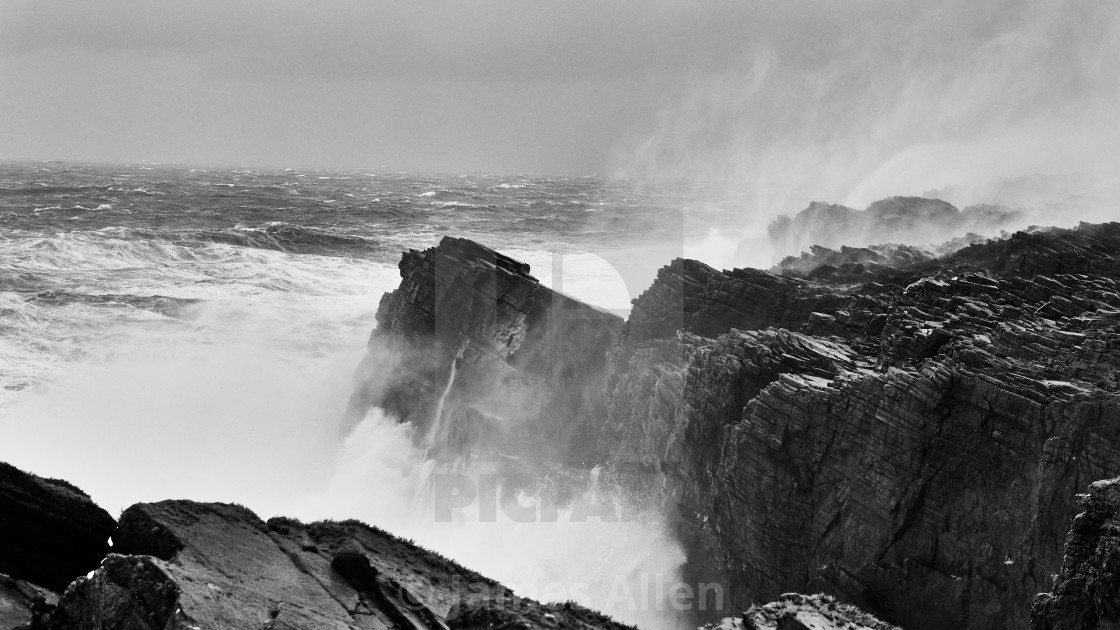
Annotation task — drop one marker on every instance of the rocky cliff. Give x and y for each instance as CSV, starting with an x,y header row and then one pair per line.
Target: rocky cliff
x,y
483,358
1086,593
909,444
905,432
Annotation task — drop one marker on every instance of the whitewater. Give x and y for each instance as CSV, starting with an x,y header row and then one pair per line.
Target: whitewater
x,y
176,332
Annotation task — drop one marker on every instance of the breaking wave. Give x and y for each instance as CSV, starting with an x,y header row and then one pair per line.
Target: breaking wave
x,y
288,237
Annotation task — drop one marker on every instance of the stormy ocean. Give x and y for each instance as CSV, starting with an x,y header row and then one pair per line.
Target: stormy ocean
x,y
193,333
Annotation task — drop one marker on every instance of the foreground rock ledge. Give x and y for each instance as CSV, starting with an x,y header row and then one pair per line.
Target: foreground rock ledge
x,y
181,564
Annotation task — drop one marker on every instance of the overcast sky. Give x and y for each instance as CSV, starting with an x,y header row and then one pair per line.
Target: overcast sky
x,y
818,96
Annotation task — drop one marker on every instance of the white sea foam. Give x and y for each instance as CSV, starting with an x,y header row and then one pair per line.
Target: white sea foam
x,y
240,399
381,476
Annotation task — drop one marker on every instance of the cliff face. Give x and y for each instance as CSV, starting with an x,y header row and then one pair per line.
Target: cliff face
x,y
910,444
481,357
899,430
1086,593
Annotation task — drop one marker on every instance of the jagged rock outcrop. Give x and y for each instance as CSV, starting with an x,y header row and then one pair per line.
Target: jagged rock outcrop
x,y
1086,593
50,531
905,436
794,611
181,564
854,264
893,220
909,445
478,355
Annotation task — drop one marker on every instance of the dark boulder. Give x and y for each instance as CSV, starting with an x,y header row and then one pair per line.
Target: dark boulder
x,y
50,531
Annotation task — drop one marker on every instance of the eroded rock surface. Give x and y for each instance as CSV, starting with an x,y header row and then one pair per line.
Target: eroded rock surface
x,y
478,355
911,445
902,431
1086,593
794,611
181,564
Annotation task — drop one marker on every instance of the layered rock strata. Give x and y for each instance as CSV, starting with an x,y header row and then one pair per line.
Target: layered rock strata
x,y
907,440
182,565
480,356
1086,593
909,445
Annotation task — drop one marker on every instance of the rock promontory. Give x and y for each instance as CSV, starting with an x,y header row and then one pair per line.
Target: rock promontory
x,y
901,429
470,339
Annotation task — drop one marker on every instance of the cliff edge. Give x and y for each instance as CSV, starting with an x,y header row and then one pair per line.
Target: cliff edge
x,y
902,430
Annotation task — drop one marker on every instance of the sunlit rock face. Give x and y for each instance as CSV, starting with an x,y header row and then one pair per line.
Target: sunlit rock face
x,y
906,436
483,359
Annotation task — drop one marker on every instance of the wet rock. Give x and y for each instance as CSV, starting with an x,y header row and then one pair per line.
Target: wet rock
x,y
901,430
911,446
208,565
471,345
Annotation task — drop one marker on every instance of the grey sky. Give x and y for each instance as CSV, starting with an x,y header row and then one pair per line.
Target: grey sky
x,y
749,92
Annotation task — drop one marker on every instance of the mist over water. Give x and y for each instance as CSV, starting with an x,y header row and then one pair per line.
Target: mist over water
x,y
590,550
1008,102
170,332
202,345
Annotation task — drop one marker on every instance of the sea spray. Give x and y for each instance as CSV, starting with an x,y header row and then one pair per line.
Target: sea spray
x,y
625,566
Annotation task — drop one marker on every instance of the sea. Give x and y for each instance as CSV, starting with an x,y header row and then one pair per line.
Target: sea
x,y
189,332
